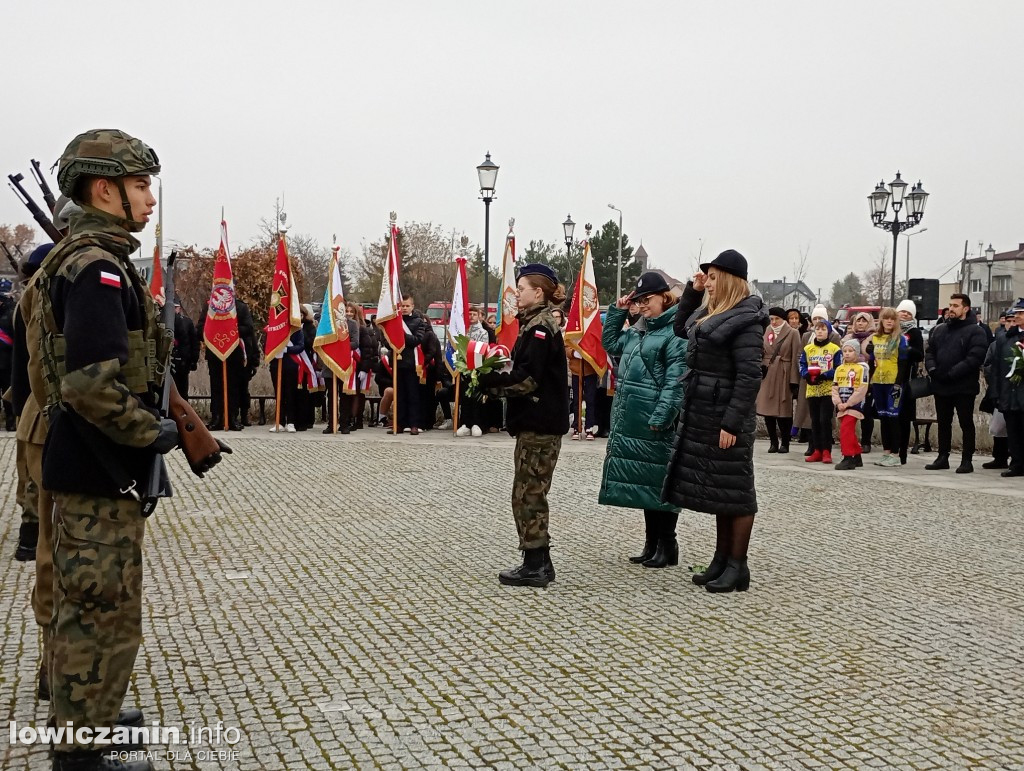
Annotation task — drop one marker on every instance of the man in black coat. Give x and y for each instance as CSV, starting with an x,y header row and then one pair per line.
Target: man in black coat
x,y
1008,389
956,351
185,354
251,364
417,328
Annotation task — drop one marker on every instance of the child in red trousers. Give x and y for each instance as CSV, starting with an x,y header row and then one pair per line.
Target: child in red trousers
x,y
849,390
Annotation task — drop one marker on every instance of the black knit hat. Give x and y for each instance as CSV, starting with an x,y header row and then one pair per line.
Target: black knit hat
x,y
729,261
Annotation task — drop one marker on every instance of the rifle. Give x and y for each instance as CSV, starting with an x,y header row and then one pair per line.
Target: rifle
x,y
10,257
202,450
51,202
32,206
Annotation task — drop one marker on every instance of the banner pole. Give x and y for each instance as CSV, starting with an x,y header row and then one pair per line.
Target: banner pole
x,y
455,412
334,402
277,399
579,400
394,390
224,377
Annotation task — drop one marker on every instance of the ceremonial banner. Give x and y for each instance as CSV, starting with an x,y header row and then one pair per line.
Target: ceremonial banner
x,y
220,332
389,314
583,327
283,317
458,319
156,281
507,329
332,341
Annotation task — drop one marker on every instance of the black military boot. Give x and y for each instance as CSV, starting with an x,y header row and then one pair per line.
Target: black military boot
x,y
650,540
940,463
43,690
736,577
28,536
848,463
966,466
549,566
95,761
530,573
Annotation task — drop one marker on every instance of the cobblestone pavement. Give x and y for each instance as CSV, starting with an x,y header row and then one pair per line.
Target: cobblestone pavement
x,y
336,600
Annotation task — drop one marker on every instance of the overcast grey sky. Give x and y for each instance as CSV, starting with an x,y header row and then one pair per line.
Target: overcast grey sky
x,y
752,125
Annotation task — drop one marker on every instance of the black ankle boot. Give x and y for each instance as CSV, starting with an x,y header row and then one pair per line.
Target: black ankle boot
x,y
940,463
784,447
28,536
735,577
667,552
773,447
809,452
712,571
650,541
530,573
549,566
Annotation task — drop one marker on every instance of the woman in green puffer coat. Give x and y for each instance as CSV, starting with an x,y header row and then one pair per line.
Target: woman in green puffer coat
x,y
648,395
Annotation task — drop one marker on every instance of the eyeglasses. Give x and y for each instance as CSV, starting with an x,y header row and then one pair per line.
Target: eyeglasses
x,y
644,301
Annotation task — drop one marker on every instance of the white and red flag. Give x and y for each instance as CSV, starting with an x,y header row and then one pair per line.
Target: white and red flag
x,y
507,329
389,312
220,333
583,327
284,304
458,319
156,281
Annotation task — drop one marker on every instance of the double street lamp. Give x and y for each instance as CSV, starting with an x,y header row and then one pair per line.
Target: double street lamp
x,y
487,174
881,199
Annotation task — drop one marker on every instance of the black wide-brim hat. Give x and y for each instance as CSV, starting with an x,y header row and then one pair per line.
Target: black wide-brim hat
x,y
729,261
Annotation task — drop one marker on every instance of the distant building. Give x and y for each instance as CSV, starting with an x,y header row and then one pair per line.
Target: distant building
x,y
640,255
1007,282
786,294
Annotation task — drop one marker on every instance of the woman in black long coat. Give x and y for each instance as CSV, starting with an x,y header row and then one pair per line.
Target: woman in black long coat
x,y
712,467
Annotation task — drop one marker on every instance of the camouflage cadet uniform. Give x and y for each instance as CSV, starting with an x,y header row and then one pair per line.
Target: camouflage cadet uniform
x,y
103,357
538,416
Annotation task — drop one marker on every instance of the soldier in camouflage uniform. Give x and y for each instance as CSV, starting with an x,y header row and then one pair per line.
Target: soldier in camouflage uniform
x,y
538,416
103,358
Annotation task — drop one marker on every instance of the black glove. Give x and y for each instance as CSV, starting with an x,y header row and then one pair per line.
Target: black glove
x,y
484,378
794,388
167,439
211,460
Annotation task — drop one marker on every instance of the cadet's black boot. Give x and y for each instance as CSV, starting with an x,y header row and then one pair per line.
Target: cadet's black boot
x,y
549,566
667,552
735,577
965,467
1000,453
940,463
95,761
650,540
530,573
28,536
712,571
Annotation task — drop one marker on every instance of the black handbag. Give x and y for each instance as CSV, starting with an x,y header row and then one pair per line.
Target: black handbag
x,y
920,387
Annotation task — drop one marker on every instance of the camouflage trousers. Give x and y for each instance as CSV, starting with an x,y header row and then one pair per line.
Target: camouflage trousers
x,y
42,592
26,492
535,459
96,627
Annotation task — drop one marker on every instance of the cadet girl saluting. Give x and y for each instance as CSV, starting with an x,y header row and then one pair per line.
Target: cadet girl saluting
x,y
537,415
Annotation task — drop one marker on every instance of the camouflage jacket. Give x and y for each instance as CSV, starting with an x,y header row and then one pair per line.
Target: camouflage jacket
x,y
101,341
537,387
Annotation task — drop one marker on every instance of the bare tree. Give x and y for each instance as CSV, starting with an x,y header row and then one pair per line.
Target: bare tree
x,y
877,279
801,265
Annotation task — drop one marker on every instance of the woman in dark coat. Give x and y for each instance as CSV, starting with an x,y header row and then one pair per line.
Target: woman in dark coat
x,y
712,468
648,390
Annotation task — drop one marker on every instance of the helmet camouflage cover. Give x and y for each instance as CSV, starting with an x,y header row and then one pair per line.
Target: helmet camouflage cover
x,y
104,153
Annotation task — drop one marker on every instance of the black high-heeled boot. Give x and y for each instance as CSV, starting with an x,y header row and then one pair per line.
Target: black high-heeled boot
x,y
650,540
736,577
667,552
712,571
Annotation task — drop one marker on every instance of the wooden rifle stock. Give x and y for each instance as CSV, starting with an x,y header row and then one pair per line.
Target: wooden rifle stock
x,y
197,442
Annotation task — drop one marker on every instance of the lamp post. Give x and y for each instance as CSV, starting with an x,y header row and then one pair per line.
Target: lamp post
x,y
618,270
990,260
909,236
881,199
568,227
487,174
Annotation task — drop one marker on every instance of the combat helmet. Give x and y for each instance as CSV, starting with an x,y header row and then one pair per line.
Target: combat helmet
x,y
105,153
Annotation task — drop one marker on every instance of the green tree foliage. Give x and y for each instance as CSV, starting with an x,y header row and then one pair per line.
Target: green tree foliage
x,y
847,291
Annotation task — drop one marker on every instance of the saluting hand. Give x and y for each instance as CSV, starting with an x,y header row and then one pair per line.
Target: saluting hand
x,y
623,302
700,280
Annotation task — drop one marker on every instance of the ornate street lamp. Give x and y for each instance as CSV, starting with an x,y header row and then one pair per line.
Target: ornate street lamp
x,y
487,175
568,227
881,199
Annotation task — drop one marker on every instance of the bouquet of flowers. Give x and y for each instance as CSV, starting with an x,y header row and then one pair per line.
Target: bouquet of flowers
x,y
1016,362
473,358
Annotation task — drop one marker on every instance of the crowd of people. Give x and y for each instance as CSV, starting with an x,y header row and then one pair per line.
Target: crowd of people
x,y
815,380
